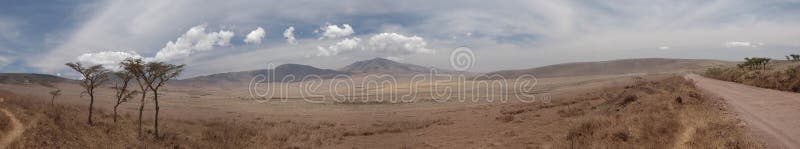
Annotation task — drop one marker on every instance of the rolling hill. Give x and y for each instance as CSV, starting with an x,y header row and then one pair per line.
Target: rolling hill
x,y
30,78
623,66
297,70
383,66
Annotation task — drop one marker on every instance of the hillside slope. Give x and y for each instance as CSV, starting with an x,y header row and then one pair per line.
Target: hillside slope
x,y
30,78
384,66
296,70
624,66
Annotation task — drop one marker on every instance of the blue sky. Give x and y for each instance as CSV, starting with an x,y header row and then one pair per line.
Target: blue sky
x,y
209,36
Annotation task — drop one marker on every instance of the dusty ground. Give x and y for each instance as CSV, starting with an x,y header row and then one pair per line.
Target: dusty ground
x,y
14,129
225,116
772,114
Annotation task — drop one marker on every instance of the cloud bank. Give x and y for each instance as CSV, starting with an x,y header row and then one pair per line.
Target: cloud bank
x,y
734,44
109,59
389,44
505,35
194,40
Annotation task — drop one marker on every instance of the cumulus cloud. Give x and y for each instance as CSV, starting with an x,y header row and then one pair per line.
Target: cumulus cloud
x,y
334,31
733,44
341,46
385,43
549,27
196,39
109,59
289,35
255,36
397,43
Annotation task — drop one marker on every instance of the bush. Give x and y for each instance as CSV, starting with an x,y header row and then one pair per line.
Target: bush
x,y
785,80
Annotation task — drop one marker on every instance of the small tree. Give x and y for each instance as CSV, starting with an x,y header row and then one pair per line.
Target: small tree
x,y
121,90
162,72
55,94
93,77
136,68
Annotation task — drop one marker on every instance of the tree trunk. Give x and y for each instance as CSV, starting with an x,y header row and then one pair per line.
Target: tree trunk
x,y
115,112
91,107
52,100
141,108
155,98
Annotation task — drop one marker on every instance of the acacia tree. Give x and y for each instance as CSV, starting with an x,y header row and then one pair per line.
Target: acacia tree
x,y
136,68
754,63
93,77
121,90
161,73
54,94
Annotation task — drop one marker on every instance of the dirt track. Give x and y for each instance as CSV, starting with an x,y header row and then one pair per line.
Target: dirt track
x,y
773,115
16,130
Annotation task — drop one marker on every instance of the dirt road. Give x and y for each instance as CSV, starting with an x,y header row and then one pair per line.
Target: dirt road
x,y
16,130
773,115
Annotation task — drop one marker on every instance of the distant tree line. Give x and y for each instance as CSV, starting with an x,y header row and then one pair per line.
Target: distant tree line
x,y
793,57
754,63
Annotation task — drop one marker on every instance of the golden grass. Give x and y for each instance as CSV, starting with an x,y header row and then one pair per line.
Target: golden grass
x,y
785,77
666,113
669,113
61,126
5,124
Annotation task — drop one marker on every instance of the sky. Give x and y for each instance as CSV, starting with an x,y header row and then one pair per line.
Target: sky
x,y
238,35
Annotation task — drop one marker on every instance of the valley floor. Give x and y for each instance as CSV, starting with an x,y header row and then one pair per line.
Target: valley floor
x,y
655,111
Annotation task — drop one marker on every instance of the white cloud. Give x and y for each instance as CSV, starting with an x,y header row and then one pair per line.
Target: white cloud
x,y
4,61
393,58
555,27
334,31
109,59
341,46
733,44
196,39
397,43
384,43
663,48
255,36
289,35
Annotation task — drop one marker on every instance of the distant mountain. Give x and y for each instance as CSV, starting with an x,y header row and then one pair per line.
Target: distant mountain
x,y
296,70
624,66
384,66
30,78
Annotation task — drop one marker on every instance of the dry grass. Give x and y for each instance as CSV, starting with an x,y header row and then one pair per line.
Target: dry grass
x,y
5,124
65,127
780,76
397,127
666,113
669,113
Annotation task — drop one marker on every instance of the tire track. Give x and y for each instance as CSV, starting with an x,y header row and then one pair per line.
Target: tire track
x,y
773,115
16,130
